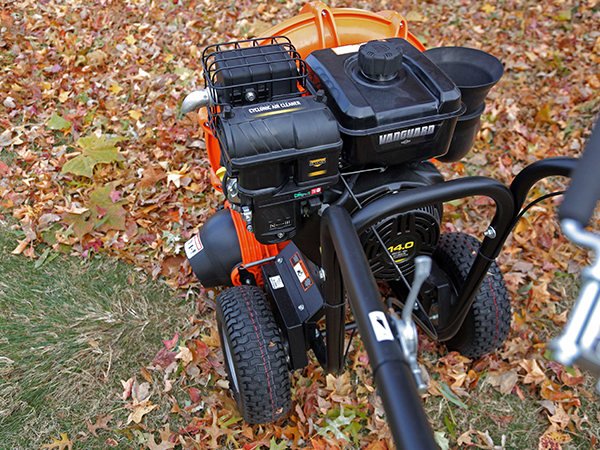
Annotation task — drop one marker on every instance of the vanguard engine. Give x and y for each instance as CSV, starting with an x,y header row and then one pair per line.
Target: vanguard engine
x,y
345,126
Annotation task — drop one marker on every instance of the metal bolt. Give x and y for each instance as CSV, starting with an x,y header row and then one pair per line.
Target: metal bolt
x,y
250,96
246,214
490,232
300,307
280,235
322,275
232,188
279,260
324,13
249,228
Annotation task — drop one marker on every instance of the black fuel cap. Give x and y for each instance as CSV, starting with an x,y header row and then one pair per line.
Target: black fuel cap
x,y
379,60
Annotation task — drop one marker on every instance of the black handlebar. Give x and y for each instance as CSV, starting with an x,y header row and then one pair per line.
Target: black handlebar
x,y
584,191
344,259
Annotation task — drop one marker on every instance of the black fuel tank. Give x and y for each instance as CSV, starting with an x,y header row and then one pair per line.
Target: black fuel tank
x,y
392,104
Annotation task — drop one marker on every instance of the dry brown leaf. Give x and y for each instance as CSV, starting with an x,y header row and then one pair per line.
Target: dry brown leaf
x,y
96,58
163,445
414,16
140,410
550,390
64,443
465,438
146,374
258,27
22,246
377,445
150,176
503,381
572,380
553,441
101,422
340,384
516,346
594,81
127,385
560,418
534,373
185,355
215,432
140,392
501,421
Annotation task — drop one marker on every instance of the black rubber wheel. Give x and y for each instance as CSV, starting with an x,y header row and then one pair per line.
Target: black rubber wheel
x,y
254,354
488,321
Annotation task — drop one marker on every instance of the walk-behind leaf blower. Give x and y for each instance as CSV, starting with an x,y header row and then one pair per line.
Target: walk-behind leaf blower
x,y
321,137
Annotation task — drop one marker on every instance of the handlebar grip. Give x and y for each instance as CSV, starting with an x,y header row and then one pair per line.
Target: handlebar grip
x,y
584,191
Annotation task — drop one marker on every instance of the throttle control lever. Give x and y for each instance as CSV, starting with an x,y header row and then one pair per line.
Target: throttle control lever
x,y
405,329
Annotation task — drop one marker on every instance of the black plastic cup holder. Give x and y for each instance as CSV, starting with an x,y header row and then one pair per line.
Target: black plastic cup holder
x,y
465,133
474,71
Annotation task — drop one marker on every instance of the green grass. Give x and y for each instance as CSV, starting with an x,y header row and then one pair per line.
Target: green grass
x,y
8,157
70,330
525,420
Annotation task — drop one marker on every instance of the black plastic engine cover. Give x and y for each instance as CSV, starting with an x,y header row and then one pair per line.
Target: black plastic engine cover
x,y
393,118
282,155
267,143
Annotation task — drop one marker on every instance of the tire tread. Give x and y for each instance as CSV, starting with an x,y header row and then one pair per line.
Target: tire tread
x,y
245,318
488,322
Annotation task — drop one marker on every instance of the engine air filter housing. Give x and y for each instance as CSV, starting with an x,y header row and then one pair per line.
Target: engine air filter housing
x,y
279,142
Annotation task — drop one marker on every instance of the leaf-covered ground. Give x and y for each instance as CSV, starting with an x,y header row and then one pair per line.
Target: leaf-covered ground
x,y
96,159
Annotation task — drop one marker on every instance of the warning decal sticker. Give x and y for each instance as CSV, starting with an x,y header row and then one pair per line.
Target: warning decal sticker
x,y
380,326
193,246
300,271
344,50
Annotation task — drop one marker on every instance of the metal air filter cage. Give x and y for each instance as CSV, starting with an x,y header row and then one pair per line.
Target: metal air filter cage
x,y
253,71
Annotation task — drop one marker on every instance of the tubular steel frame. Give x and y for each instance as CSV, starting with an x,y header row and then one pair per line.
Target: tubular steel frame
x,y
348,270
